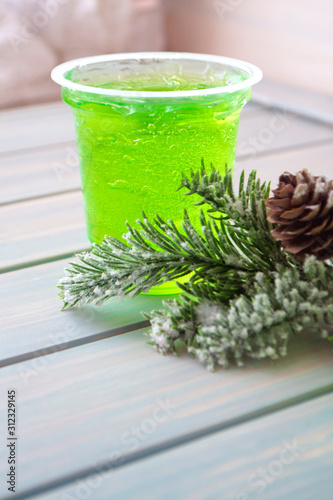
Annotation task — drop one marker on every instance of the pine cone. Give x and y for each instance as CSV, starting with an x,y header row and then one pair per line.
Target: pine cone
x,y
302,206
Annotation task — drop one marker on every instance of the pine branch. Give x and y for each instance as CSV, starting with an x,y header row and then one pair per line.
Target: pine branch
x,y
156,253
227,252
247,208
256,324
245,296
244,214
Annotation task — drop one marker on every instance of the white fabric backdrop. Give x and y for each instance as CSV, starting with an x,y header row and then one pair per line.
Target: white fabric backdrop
x,y
36,35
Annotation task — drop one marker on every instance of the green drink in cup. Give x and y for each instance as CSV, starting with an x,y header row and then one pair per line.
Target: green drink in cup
x,y
144,118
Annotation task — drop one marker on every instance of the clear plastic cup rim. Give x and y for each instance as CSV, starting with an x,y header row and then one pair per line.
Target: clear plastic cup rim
x,y
59,72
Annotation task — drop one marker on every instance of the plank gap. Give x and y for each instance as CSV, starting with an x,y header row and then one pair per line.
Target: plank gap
x,y
32,149
39,262
40,196
73,343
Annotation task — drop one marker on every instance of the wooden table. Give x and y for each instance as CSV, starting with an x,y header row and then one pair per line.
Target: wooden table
x,y
101,415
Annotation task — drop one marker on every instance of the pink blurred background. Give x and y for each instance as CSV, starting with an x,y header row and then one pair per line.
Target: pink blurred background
x,y
291,41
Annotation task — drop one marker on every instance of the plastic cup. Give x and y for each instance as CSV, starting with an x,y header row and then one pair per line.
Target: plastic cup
x,y
143,119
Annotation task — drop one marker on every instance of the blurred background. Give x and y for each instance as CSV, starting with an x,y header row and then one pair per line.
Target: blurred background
x,y
291,41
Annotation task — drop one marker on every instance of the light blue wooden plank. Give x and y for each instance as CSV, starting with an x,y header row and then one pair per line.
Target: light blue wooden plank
x,y
78,407
274,131
41,229
307,103
316,158
35,127
286,455
38,173
31,319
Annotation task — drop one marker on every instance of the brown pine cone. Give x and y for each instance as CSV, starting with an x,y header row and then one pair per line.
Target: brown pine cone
x,y
302,206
